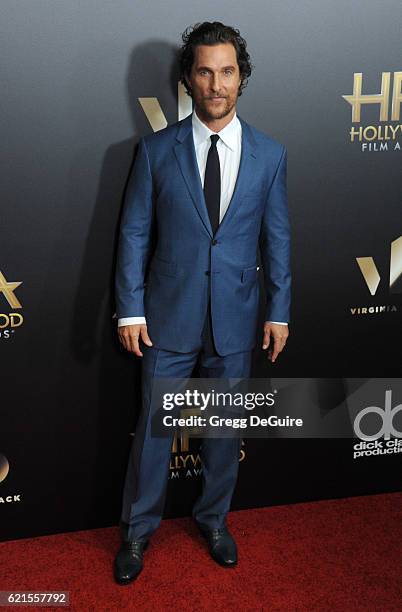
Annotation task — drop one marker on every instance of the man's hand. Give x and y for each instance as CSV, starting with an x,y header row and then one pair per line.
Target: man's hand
x,y
129,337
275,335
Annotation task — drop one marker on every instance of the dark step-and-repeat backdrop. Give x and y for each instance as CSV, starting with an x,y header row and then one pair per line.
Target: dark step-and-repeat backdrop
x,y
81,82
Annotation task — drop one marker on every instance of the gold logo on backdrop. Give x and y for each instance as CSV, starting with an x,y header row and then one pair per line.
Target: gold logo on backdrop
x,y
11,320
182,457
155,114
389,107
183,461
7,289
370,272
372,278
4,467
4,471
382,99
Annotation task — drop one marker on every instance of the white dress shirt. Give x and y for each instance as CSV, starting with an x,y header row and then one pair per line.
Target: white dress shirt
x,y
229,151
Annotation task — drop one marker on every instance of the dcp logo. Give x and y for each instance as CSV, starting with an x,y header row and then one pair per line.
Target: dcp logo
x,y
386,415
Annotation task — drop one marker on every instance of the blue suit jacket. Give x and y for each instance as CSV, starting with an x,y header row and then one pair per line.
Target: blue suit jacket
x,y
167,253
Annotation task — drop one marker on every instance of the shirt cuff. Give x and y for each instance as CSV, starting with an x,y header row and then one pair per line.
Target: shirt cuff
x,y
277,322
131,321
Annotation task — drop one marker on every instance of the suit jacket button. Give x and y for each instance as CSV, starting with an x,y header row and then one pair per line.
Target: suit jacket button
x,y
214,242
208,273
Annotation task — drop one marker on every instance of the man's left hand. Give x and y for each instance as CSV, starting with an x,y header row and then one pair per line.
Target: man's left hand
x,y
275,337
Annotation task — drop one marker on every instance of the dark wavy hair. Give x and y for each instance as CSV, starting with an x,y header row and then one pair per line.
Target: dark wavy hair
x,y
213,33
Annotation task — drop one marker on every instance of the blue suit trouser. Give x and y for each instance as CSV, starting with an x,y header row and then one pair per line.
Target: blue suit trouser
x,y
148,466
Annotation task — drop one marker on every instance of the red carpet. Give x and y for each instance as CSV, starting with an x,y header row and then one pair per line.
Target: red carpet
x,y
330,555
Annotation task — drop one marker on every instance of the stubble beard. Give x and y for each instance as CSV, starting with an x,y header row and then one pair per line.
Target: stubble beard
x,y
204,112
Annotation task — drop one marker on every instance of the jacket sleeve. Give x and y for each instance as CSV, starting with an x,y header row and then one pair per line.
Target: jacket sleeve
x,y
275,246
134,238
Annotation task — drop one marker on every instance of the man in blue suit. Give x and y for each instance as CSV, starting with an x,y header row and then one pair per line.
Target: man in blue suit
x,y
203,196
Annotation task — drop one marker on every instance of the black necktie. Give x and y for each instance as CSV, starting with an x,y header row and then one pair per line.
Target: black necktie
x,y
212,184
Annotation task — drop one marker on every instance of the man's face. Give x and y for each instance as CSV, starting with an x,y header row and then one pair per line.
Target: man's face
x,y
215,80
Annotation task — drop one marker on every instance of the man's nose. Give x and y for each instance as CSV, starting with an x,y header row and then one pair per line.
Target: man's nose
x,y
216,83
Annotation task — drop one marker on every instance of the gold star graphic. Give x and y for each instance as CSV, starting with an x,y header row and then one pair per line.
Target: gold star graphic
x,y
8,290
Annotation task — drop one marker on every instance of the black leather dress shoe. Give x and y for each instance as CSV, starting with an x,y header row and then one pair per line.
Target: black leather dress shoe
x,y
129,561
222,546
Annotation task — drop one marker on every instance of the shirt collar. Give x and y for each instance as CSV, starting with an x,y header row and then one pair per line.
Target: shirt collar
x,y
229,134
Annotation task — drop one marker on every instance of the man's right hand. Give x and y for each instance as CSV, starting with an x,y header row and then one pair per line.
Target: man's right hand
x,y
129,337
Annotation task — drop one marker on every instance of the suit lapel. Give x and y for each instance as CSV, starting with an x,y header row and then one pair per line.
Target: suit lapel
x,y
185,152
246,172
187,160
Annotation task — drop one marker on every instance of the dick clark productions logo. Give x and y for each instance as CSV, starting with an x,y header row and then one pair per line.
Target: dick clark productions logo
x,y
387,420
